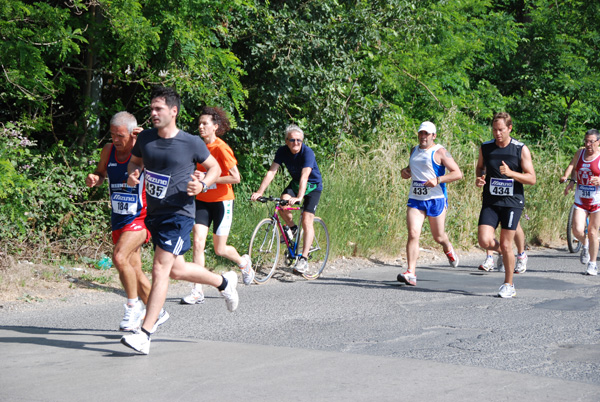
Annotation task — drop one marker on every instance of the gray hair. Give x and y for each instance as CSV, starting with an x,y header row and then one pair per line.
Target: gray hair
x,y
124,119
291,128
593,131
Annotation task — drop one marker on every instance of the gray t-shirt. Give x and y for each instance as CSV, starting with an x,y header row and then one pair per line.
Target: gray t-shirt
x,y
169,163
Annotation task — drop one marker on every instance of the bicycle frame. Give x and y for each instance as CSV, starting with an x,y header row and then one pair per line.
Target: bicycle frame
x,y
291,244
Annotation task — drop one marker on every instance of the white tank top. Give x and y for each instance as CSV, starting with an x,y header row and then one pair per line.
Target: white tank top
x,y
422,168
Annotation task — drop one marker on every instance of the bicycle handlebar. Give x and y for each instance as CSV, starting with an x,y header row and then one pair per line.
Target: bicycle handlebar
x,y
279,201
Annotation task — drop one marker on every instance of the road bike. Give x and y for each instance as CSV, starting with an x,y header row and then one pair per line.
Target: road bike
x,y
269,235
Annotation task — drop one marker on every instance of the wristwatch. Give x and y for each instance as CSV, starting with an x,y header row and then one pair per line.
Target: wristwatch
x,y
204,187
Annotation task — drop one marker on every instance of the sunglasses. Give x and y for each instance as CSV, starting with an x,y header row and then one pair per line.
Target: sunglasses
x,y
294,140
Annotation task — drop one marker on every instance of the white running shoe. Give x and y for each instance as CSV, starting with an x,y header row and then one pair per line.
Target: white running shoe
x,y
584,257
195,297
301,266
162,318
247,271
507,291
408,278
137,341
521,264
592,269
133,317
230,293
488,264
500,263
452,258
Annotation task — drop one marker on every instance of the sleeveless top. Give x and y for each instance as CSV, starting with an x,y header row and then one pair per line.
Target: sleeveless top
x,y
500,190
587,194
422,168
128,203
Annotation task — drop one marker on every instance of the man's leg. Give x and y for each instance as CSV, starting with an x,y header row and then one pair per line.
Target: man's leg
x,y
437,225
127,260
414,224
199,245
593,235
287,216
486,236
191,272
520,239
222,249
507,237
161,270
309,232
579,218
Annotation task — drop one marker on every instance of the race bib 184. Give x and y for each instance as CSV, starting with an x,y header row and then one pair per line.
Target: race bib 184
x,y
502,187
157,184
124,204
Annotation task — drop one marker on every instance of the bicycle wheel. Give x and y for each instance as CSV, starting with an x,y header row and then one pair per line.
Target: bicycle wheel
x,y
572,242
264,250
319,251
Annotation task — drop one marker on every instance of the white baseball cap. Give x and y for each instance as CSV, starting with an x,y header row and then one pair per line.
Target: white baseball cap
x,y
427,126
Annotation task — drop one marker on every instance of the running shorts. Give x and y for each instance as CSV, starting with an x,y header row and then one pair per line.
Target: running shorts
x,y
171,232
432,208
135,226
507,217
219,213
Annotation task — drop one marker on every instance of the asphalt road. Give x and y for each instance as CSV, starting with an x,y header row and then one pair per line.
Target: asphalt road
x,y
351,335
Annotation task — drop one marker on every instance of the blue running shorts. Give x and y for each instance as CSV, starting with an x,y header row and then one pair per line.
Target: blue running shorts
x,y
171,232
432,208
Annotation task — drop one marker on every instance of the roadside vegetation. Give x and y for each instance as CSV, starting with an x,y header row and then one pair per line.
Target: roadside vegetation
x,y
357,76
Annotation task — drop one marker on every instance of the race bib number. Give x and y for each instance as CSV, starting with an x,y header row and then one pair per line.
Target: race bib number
x,y
502,187
124,204
212,187
157,184
419,188
586,191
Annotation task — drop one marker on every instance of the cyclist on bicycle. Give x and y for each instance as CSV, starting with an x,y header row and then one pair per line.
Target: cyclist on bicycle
x,y
428,197
306,185
586,166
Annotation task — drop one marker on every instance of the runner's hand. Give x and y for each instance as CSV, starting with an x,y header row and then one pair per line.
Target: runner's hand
x,y
200,175
480,181
91,180
133,179
405,173
194,186
505,170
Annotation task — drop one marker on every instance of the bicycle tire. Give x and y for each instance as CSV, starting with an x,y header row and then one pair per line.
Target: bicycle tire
x,y
264,250
572,242
319,251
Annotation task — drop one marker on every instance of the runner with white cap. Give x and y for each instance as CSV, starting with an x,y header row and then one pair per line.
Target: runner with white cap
x,y
428,197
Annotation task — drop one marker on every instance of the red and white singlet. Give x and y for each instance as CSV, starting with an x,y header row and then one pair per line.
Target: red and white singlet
x,y
587,196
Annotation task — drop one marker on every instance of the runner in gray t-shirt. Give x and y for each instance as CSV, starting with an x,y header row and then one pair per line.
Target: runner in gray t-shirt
x,y
170,156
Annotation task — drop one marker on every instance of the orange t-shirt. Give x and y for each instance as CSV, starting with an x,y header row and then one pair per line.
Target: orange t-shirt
x,y
224,155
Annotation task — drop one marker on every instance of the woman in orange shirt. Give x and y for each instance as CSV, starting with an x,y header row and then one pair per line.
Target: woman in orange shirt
x,y
215,204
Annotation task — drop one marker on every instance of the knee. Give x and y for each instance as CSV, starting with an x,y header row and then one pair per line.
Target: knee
x,y
119,259
220,251
487,243
440,238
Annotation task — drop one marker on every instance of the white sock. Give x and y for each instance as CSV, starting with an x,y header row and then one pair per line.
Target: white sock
x,y
132,302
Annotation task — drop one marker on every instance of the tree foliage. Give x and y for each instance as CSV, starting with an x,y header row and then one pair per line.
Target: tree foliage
x,y
344,70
